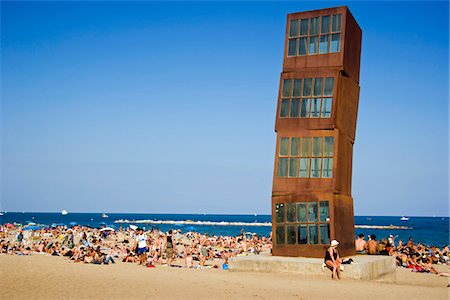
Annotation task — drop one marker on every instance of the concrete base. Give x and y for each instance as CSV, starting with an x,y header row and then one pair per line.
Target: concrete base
x,y
364,267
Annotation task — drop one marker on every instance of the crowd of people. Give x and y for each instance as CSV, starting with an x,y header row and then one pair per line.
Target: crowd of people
x,y
417,257
149,248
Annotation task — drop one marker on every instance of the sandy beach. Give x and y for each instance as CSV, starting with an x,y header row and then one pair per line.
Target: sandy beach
x,y
44,277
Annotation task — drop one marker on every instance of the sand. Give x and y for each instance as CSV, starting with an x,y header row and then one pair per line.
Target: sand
x,y
46,277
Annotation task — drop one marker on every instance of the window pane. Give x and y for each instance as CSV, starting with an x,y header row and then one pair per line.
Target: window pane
x,y
304,167
292,50
284,146
329,82
302,234
304,26
318,86
324,211
291,234
304,112
295,147
279,213
287,84
284,109
329,146
293,167
297,87
301,211
335,42
325,24
281,238
312,212
327,171
290,212
324,44
336,23
315,167
317,146
313,237
315,108
313,45
303,47
295,106
325,233
326,107
307,83
293,28
314,26
306,147
282,167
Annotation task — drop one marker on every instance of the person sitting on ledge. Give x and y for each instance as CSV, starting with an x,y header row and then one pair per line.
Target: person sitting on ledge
x,y
372,245
333,261
360,244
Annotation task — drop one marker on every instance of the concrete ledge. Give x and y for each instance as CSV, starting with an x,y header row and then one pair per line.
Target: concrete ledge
x,y
365,267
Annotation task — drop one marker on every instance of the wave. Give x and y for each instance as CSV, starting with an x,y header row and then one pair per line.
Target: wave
x,y
224,223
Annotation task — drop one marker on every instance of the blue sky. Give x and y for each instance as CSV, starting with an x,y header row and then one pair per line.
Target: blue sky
x,y
169,107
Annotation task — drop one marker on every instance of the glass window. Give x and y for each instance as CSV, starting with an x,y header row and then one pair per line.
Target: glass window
x,y
304,26
324,44
303,46
317,146
312,212
302,234
295,147
282,167
315,167
329,146
313,237
284,146
291,234
326,107
324,211
335,42
290,212
293,28
336,23
292,47
279,213
304,167
315,108
281,237
295,106
318,87
301,210
304,112
307,84
297,87
325,24
306,146
324,233
327,171
313,45
287,84
329,82
284,109
314,26
293,167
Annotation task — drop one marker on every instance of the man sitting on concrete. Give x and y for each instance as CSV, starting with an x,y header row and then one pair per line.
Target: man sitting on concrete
x,y
372,245
360,244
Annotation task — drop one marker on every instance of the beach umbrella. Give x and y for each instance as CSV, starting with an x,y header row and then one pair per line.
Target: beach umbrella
x,y
106,228
31,223
73,223
53,225
43,226
32,227
134,227
102,224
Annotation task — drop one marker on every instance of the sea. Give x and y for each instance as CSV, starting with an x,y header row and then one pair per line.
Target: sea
x,y
433,231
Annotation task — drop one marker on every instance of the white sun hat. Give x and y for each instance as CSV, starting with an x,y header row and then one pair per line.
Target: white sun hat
x,y
334,243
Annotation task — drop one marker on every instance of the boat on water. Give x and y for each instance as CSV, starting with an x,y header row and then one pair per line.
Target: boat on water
x,y
104,215
404,219
64,212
